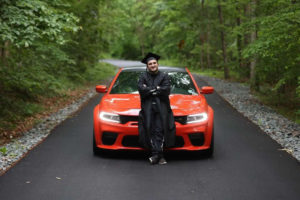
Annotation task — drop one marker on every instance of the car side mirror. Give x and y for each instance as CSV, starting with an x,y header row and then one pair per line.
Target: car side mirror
x,y
101,88
207,90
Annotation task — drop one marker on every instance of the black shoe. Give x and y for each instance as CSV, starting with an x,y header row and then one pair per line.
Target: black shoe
x,y
162,161
154,159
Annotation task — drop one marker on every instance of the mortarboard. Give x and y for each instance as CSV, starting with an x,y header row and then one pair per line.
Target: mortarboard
x,y
150,56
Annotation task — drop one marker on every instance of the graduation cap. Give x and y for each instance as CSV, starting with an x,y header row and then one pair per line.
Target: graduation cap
x,y
150,56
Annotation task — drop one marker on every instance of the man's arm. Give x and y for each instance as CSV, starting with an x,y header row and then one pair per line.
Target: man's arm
x,y
144,90
165,87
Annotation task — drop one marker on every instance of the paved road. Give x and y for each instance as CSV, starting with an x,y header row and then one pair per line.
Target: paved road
x,y
121,63
247,165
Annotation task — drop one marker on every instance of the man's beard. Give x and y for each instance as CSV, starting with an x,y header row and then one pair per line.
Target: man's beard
x,y
152,72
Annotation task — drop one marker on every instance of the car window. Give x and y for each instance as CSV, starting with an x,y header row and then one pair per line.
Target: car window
x,y
126,83
181,83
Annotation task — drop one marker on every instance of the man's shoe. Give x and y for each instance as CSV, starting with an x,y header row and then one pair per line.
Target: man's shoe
x,y
162,161
154,159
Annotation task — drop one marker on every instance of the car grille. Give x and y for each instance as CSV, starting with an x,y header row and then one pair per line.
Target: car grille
x,y
133,141
124,119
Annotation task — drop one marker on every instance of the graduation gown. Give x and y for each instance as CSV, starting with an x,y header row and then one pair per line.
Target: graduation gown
x,y
146,83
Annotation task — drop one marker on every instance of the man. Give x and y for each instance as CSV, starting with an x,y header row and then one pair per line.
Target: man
x,y
156,120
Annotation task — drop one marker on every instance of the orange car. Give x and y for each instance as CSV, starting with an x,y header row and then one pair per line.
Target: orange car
x,y
116,116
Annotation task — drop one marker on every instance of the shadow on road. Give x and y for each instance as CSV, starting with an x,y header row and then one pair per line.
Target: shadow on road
x,y
142,155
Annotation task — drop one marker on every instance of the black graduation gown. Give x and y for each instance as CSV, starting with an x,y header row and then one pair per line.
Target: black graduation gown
x,y
162,99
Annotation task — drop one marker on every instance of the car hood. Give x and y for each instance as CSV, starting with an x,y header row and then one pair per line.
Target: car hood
x,y
129,104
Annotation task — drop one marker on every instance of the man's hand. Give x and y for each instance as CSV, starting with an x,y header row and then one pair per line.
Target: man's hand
x,y
153,92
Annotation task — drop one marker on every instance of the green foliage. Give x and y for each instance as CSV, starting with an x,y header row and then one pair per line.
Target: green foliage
x,y
32,37
49,46
171,62
262,33
46,48
25,21
3,150
86,44
277,46
99,72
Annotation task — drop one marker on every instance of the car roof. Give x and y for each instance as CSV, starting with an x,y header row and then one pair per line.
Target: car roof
x,y
160,68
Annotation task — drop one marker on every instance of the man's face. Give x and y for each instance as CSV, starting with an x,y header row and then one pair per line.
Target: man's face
x,y
152,65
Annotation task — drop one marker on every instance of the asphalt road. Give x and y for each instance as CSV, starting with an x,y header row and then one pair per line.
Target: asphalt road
x,y
247,164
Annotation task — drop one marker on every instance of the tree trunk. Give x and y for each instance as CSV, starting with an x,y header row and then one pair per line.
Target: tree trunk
x,y
247,39
4,52
202,40
1,53
254,85
206,51
239,39
140,36
201,51
226,69
143,50
6,49
208,59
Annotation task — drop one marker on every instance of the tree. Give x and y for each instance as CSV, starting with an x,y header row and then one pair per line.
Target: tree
x,y
222,32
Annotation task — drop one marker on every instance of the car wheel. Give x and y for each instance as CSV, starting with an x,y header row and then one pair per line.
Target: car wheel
x,y
98,151
209,152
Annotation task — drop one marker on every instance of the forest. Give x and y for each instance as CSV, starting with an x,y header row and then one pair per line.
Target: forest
x,y
49,48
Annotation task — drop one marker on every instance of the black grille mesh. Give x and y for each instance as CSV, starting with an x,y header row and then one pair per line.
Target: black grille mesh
x,y
109,138
124,119
197,139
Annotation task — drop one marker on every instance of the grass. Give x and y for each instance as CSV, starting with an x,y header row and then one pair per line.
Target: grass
x,y
99,72
209,72
19,115
172,63
284,106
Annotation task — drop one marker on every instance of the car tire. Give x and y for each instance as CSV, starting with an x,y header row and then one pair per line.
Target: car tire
x,y
209,152
98,151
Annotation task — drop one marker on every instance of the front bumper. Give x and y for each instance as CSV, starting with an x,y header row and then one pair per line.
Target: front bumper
x,y
113,136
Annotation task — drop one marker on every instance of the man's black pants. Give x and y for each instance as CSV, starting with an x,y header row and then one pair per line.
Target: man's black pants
x,y
157,136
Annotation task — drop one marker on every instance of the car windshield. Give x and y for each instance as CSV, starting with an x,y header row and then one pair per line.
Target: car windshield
x,y
126,83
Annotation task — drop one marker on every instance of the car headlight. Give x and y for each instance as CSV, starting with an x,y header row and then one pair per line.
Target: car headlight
x,y
110,117
196,118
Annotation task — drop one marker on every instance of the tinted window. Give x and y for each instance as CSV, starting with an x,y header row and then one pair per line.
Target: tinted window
x,y
126,83
181,83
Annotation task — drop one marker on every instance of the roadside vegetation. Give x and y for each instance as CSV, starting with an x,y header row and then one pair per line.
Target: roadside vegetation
x,y
252,41
50,50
